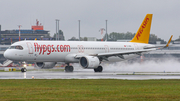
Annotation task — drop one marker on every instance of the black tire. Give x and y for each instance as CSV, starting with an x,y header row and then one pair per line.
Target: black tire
x,y
66,69
69,69
98,69
23,69
95,70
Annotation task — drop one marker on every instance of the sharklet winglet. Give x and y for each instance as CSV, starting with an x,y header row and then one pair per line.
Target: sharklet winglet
x,y
169,41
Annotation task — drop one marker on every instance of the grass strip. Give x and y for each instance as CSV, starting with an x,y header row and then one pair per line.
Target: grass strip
x,y
89,89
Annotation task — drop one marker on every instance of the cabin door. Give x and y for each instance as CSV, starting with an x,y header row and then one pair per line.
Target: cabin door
x,y
30,47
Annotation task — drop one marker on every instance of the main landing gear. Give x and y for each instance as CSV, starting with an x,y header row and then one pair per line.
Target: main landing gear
x,y
69,68
98,69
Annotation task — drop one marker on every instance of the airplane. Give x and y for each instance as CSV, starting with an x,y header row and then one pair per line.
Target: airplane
x,y
88,54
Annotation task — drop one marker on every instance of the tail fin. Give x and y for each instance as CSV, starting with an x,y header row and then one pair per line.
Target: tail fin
x,y
142,35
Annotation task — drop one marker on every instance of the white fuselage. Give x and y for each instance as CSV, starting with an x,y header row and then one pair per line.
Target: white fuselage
x,y
65,51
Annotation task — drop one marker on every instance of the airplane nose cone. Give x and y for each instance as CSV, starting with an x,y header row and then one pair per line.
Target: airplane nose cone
x,y
6,54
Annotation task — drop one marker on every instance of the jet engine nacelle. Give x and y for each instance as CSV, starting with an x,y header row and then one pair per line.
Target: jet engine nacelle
x,y
89,62
45,65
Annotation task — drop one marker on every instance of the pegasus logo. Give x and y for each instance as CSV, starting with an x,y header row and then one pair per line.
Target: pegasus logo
x,y
142,28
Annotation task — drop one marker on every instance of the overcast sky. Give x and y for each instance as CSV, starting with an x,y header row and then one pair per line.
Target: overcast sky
x,y
122,16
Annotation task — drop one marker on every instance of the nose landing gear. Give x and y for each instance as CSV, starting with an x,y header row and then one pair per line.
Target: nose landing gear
x,y
24,67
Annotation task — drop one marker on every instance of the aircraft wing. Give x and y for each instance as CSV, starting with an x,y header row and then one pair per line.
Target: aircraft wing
x,y
161,46
120,54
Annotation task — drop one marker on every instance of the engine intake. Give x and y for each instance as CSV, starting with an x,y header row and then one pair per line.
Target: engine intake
x,y
45,65
89,62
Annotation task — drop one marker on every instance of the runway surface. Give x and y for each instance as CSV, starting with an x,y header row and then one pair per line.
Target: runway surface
x,y
88,74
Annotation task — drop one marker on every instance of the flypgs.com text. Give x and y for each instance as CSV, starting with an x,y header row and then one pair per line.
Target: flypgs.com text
x,y
42,49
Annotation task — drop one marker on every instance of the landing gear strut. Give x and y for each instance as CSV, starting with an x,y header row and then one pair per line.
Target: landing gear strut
x,y
98,69
69,68
24,67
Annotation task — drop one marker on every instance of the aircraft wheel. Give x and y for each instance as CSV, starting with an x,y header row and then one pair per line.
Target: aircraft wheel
x,y
66,69
98,69
95,70
23,69
69,69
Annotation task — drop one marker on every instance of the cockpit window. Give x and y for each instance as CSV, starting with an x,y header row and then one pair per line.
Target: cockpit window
x,y
12,47
16,47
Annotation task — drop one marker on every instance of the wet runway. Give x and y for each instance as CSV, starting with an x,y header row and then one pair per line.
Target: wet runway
x,y
88,74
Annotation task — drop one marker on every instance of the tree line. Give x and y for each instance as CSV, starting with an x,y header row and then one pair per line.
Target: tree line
x,y
115,36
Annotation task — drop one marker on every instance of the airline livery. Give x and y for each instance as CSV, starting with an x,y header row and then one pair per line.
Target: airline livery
x,y
89,55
